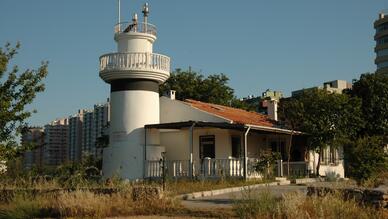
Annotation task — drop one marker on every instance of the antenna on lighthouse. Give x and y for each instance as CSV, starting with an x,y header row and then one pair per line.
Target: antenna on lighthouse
x,y
119,13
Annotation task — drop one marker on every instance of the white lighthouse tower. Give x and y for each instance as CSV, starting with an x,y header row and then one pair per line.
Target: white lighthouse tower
x,y
134,73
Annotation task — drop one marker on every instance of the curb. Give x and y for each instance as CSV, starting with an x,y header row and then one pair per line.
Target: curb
x,y
305,180
196,195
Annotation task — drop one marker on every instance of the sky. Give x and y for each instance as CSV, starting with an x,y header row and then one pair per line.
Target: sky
x,y
278,44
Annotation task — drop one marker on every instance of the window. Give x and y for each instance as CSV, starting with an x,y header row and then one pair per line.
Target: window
x,y
330,156
207,146
236,146
382,65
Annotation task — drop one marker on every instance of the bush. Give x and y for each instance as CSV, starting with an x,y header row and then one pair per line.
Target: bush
x,y
297,205
365,158
257,205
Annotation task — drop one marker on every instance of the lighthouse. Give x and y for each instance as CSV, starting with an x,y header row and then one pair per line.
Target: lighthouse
x,y
134,73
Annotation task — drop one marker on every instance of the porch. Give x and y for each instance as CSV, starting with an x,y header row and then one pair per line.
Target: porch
x,y
195,149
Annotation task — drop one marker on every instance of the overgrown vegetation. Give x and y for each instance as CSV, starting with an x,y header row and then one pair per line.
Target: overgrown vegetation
x,y
356,119
298,205
83,203
214,88
17,90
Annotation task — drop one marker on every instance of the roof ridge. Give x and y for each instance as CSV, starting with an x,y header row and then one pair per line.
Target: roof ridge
x,y
253,112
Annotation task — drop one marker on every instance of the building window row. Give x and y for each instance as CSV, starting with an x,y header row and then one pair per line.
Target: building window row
x,y
382,65
382,40
383,52
382,27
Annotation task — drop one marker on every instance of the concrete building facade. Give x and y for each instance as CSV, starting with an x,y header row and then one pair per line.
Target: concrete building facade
x,y
75,136
55,149
336,86
88,139
381,38
35,138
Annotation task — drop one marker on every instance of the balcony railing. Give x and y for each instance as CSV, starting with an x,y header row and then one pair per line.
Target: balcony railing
x,y
135,61
126,27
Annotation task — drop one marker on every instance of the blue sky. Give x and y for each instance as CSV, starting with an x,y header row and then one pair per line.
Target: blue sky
x,y
283,45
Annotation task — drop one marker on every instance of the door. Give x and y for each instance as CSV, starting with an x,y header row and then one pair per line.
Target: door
x,y
207,146
236,146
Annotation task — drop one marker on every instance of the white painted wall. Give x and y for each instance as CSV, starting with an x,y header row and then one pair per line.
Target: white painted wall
x,y
324,169
130,111
178,111
134,42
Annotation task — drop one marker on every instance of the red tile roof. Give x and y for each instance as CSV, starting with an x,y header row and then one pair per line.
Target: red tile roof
x,y
238,116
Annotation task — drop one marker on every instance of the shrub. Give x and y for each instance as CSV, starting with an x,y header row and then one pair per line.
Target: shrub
x,y
257,205
366,158
297,205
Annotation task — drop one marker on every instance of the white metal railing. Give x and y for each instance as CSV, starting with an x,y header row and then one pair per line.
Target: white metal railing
x,y
206,167
231,167
135,61
140,27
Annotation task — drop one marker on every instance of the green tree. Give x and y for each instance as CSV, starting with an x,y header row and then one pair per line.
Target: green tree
x,y
290,113
17,90
192,85
373,90
366,158
330,119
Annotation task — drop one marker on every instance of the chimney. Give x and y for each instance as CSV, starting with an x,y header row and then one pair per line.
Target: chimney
x,y
170,94
381,15
273,109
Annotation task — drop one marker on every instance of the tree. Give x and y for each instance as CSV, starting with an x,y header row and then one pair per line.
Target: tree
x,y
328,118
192,85
373,90
366,158
17,90
290,113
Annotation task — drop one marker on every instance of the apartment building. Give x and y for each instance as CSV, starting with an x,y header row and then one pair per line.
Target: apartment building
x,y
55,150
75,136
336,86
381,38
34,137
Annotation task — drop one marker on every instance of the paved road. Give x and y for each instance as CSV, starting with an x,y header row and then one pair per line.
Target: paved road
x,y
227,200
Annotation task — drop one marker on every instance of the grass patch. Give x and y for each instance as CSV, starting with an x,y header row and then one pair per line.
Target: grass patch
x,y
83,203
297,205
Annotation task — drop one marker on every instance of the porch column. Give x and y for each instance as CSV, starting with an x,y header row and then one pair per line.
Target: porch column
x,y
191,139
246,152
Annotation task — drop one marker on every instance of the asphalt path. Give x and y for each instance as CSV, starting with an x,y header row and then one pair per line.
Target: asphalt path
x,y
227,200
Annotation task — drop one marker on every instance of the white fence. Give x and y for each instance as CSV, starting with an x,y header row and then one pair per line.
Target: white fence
x,y
215,168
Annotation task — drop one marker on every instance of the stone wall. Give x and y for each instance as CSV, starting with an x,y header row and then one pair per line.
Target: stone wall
x,y
377,197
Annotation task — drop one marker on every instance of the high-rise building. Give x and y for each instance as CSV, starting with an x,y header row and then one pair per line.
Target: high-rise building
x,y
134,73
55,150
94,125
88,139
101,118
34,137
381,38
75,136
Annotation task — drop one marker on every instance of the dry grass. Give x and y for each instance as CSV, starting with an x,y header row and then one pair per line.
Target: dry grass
x,y
298,205
81,203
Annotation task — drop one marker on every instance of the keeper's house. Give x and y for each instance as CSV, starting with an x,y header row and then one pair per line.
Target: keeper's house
x,y
208,140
